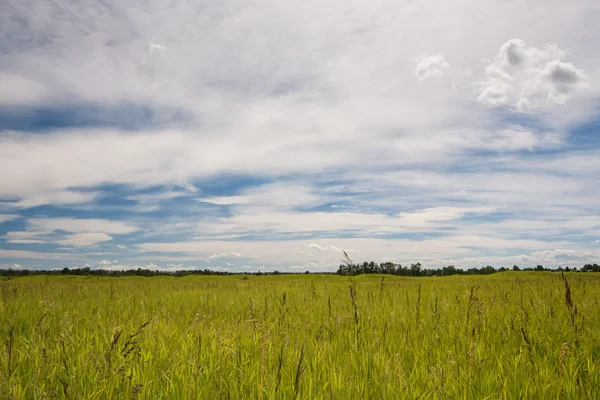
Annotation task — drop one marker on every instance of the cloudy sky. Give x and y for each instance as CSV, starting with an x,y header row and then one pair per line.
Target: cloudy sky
x,y
246,135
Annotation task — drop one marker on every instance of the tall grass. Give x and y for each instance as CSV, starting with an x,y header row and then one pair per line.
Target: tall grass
x,y
503,336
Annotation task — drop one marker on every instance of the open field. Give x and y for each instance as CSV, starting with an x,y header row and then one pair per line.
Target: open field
x,y
504,336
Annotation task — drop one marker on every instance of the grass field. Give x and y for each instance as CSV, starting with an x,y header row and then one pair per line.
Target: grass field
x,y
504,336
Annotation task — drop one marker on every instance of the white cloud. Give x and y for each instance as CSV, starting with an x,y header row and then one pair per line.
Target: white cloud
x,y
19,90
430,66
84,239
224,200
282,196
548,258
57,197
302,252
152,49
150,266
279,109
152,202
526,76
25,241
523,105
564,255
11,266
7,217
229,254
155,197
84,232
329,248
283,221
564,79
80,225
466,250
188,187
34,255
23,237
437,214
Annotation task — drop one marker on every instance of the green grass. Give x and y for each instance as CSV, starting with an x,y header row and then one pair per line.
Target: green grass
x,y
505,336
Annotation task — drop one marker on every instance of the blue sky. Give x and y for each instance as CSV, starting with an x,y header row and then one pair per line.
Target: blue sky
x,y
258,135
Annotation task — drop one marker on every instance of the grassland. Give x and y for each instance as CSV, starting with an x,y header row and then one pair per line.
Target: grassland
x,y
505,336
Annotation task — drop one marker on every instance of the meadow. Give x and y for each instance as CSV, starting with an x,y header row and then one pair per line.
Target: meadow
x,y
503,336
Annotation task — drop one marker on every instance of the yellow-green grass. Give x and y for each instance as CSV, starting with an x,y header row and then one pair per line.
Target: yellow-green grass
x,y
506,336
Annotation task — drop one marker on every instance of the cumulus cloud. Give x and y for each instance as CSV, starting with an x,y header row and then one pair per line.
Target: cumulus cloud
x,y
564,79
430,66
526,77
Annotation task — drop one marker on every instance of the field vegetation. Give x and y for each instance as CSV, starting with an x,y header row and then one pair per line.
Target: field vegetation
x,y
508,335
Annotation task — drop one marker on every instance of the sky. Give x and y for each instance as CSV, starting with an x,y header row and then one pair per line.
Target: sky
x,y
272,135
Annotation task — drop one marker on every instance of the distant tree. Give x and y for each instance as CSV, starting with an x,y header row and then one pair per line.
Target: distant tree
x,y
388,268
415,269
516,268
591,268
449,270
364,268
488,270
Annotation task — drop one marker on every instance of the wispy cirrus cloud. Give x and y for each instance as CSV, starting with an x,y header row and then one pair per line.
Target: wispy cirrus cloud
x,y
84,239
7,217
82,232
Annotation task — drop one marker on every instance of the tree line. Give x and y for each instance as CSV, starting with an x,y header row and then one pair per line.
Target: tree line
x,y
347,268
